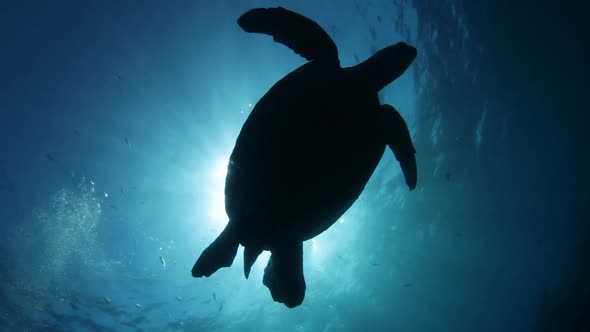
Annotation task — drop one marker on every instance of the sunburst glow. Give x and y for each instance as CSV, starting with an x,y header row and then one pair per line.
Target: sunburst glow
x,y
216,209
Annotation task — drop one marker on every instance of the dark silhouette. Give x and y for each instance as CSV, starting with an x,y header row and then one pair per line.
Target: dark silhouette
x,y
306,151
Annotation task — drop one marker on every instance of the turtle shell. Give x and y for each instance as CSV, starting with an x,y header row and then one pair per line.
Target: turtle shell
x,y
303,156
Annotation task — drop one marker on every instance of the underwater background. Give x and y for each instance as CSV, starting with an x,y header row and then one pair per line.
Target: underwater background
x,y
117,119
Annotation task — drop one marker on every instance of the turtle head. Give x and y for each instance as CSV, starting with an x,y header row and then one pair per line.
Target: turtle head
x,y
386,65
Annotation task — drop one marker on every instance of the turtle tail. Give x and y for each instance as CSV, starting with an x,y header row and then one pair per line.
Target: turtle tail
x,y
220,253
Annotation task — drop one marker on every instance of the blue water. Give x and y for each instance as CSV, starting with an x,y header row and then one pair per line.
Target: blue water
x,y
118,118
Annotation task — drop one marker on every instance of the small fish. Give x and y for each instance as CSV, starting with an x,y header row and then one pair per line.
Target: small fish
x,y
106,299
379,18
138,305
179,298
409,284
163,262
448,176
127,142
74,306
214,297
375,264
76,132
114,207
49,157
340,257
220,307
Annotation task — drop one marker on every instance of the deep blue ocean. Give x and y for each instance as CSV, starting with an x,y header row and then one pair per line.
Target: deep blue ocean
x,y
117,119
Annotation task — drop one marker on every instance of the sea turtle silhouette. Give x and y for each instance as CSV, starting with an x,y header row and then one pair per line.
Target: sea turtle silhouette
x,y
306,151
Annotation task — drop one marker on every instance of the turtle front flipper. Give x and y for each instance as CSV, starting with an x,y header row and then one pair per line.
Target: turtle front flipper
x,y
397,137
304,36
284,274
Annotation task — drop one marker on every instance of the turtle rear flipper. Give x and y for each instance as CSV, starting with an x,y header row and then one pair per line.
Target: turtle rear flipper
x,y
284,274
397,137
220,253
304,36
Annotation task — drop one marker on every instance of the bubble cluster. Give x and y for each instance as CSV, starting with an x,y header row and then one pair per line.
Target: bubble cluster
x,y
60,238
